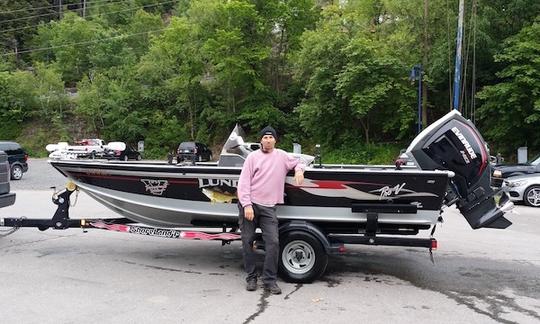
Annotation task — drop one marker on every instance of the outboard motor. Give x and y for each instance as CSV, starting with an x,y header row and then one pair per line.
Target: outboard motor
x,y
453,143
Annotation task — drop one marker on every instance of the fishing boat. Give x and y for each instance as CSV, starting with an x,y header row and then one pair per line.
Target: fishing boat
x,y
451,166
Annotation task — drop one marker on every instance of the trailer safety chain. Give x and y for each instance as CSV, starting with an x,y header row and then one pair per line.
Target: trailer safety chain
x,y
76,197
6,232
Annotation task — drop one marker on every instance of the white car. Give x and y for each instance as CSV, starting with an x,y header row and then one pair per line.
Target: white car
x,y
87,148
524,188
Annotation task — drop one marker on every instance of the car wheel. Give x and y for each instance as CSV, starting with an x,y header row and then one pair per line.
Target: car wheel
x,y
532,196
139,157
200,158
16,172
125,158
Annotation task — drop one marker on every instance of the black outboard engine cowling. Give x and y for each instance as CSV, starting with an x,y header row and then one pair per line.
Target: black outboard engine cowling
x,y
453,143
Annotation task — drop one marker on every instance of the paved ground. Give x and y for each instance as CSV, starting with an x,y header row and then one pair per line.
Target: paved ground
x,y
40,176
482,276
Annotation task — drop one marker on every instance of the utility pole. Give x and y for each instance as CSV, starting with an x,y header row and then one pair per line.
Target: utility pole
x,y
457,67
425,63
60,9
84,9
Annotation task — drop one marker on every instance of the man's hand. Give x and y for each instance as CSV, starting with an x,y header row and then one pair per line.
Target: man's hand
x,y
299,177
248,213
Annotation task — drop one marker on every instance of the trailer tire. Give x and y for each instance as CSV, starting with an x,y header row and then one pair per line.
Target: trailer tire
x,y
302,257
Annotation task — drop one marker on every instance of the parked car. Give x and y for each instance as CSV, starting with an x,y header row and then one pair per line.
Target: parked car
x,y
193,151
6,198
17,158
130,153
523,188
503,171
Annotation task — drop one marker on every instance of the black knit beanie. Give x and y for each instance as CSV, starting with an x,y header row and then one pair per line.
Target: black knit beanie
x,y
268,130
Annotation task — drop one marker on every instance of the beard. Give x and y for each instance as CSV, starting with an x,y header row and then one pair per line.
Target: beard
x,y
266,149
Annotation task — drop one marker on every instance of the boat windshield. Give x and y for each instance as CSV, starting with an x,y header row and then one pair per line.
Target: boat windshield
x,y
235,143
235,150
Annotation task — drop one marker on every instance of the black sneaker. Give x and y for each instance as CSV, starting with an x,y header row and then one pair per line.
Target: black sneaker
x,y
251,285
273,289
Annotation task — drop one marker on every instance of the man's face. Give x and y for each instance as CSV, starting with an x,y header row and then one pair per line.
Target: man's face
x,y
268,143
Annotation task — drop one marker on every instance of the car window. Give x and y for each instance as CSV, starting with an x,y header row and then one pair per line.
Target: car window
x,y
11,148
535,161
186,145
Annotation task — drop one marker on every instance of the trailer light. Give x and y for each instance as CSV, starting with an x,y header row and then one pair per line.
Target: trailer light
x,y
433,244
342,249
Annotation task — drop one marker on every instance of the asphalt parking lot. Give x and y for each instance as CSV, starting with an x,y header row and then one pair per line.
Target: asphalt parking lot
x,y
479,276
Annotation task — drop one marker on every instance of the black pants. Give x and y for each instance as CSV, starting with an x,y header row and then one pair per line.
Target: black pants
x,y
266,219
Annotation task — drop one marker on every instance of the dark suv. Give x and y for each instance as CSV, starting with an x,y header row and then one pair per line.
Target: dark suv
x,y
193,151
6,198
17,158
130,153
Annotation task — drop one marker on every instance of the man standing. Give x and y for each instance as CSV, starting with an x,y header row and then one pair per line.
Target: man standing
x,y
260,188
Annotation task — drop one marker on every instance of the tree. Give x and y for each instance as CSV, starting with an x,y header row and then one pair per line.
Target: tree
x,y
514,102
72,41
19,21
349,72
16,101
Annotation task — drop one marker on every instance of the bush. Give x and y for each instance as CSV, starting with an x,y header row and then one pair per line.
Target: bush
x,y
362,154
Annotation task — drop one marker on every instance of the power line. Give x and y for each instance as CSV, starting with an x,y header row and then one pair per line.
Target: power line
x,y
55,6
97,14
82,43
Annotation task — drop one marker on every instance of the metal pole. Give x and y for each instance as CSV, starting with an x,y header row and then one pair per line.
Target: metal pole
x,y
419,99
416,75
457,68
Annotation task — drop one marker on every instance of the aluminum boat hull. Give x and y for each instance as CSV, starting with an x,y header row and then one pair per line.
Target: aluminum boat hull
x,y
171,195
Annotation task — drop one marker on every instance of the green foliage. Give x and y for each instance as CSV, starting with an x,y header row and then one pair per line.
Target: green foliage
x,y
334,73
164,136
379,154
353,84
15,103
73,61
514,103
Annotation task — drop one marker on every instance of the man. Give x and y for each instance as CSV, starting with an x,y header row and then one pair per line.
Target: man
x,y
260,188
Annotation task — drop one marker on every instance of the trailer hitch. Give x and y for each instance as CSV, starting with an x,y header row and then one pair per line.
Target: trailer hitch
x,y
60,220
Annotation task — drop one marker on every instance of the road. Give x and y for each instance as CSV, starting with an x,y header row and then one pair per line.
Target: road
x,y
479,276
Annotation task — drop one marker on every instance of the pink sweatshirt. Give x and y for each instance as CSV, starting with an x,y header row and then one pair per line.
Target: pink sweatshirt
x,y
262,180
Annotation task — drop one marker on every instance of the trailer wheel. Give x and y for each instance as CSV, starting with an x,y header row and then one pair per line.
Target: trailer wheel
x,y
302,257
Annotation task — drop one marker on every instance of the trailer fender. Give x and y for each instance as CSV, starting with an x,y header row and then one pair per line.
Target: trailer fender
x,y
297,225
